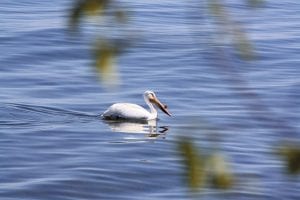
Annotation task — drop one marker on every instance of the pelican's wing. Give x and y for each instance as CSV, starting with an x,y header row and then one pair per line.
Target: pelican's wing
x,y
125,111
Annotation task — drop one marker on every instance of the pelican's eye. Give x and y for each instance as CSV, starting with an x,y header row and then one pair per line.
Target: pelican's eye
x,y
151,98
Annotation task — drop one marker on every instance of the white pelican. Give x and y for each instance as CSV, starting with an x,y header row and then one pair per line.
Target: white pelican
x,y
129,111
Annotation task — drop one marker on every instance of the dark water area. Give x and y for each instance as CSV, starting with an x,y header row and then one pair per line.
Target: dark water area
x,y
54,145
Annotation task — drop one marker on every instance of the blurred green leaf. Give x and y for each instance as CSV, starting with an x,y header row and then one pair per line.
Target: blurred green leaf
x,y
220,175
192,161
216,8
222,181
243,45
105,54
201,169
239,37
86,7
291,156
94,7
255,3
121,16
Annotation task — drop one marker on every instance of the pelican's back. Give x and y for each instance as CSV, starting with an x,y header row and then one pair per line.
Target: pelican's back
x,y
126,111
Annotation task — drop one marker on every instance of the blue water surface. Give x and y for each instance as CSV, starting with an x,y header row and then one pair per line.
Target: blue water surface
x,y
53,144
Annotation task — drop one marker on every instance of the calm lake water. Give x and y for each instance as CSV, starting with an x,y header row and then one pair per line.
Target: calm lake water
x,y
53,144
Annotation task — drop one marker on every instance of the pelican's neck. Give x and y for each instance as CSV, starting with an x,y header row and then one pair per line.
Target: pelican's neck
x,y
153,111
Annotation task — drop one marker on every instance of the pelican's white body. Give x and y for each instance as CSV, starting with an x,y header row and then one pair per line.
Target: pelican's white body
x,y
128,111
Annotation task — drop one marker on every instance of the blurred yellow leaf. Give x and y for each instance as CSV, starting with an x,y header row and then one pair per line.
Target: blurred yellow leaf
x,y
86,7
121,16
194,167
94,7
216,8
291,155
243,45
239,37
105,54
255,3
220,175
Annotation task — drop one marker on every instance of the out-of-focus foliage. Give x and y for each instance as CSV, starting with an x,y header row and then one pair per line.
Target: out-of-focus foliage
x,y
194,164
255,3
291,156
104,63
202,170
231,29
86,8
220,175
105,49
105,55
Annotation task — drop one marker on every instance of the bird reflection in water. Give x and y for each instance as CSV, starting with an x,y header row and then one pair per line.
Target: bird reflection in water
x,y
149,128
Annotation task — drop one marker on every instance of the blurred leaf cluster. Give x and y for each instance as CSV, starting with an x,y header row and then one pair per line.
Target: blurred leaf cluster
x,y
255,3
105,54
105,57
201,170
291,156
231,29
204,170
105,49
86,8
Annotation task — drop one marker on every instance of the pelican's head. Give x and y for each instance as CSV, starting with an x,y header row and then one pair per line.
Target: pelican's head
x,y
151,97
